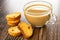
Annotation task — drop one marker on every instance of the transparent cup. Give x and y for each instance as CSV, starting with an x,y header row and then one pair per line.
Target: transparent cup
x,y
39,13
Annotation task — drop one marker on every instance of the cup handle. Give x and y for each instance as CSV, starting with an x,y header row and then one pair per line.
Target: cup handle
x,y
52,19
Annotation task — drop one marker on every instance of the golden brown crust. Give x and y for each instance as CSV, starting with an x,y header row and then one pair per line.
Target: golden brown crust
x,y
13,16
26,29
12,24
16,21
10,19
14,31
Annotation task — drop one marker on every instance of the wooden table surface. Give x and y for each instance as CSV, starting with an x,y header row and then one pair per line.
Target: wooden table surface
x,y
48,32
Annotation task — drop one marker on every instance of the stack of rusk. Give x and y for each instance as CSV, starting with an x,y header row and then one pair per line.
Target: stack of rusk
x,y
13,18
16,27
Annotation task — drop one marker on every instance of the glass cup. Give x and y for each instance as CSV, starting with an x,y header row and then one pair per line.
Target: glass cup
x,y
39,13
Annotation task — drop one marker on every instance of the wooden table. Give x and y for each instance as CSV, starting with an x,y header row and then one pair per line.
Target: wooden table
x,y
48,32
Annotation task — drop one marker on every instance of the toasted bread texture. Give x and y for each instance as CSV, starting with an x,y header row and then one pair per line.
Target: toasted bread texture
x,y
26,29
13,16
16,21
14,31
12,24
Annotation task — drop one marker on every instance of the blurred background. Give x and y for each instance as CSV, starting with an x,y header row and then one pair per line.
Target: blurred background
x,y
9,6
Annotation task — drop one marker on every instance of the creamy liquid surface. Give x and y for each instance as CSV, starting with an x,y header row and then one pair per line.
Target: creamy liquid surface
x,y
37,10
37,15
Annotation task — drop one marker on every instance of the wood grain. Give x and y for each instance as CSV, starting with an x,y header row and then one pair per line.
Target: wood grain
x,y
47,32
